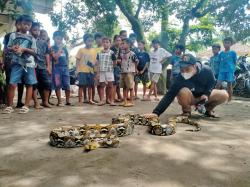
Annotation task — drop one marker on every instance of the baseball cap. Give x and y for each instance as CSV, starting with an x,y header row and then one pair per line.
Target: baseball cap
x,y
187,60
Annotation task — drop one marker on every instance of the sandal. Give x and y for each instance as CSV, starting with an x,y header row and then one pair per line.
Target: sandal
x,y
24,110
8,110
128,105
69,104
60,105
210,115
19,105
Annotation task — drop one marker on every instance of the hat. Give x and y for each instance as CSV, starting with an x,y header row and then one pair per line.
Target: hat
x,y
187,60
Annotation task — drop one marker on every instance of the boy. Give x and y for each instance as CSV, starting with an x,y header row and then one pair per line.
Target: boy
x,y
43,70
60,69
23,47
142,69
106,60
214,61
85,60
7,66
123,34
228,60
129,63
117,68
157,57
98,41
175,59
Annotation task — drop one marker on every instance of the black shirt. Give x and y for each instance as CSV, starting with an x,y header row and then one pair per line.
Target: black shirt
x,y
200,84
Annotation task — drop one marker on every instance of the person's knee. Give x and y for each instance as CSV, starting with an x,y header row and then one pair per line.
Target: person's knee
x,y
184,96
224,96
184,92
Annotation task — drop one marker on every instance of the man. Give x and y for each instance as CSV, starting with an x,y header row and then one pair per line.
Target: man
x,y
194,83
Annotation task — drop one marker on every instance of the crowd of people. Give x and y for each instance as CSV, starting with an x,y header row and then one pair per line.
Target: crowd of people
x,y
102,65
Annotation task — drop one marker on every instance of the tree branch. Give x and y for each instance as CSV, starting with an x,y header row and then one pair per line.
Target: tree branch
x,y
125,11
209,9
139,8
197,7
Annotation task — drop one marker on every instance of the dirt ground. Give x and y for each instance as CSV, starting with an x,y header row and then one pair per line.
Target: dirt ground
x,y
218,155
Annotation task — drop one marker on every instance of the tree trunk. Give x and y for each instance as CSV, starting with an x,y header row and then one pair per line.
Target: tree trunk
x,y
161,85
133,19
164,27
138,29
185,31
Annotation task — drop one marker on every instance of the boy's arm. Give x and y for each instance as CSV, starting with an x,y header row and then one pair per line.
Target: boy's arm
x,y
47,58
32,50
113,57
166,55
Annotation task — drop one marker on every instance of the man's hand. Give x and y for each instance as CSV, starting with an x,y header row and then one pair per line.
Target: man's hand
x,y
141,72
150,115
204,97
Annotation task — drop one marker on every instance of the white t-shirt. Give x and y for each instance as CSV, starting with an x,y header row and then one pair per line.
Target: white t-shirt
x,y
156,57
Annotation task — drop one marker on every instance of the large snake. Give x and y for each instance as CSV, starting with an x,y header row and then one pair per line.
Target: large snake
x,y
92,136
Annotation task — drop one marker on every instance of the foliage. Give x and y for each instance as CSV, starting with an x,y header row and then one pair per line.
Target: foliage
x,y
200,18
13,7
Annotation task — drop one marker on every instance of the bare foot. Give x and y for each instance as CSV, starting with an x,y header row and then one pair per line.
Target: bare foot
x,y
47,105
38,106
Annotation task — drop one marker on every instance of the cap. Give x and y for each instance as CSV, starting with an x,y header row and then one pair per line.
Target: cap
x,y
187,60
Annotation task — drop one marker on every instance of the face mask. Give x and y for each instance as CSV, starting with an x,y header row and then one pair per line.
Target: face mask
x,y
187,76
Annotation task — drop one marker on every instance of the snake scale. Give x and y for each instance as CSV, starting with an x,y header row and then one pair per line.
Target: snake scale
x,y
92,136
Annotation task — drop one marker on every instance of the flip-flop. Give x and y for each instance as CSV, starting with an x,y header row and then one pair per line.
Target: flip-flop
x,y
69,104
8,110
113,104
128,105
24,110
209,115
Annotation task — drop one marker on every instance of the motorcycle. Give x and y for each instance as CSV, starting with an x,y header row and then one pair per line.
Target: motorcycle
x,y
242,77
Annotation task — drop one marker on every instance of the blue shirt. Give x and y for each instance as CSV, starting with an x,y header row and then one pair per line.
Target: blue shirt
x,y
215,64
63,59
227,61
143,58
175,65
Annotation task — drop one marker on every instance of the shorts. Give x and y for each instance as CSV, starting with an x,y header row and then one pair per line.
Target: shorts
x,y
85,79
61,78
142,78
106,76
154,77
127,81
43,79
226,76
117,76
20,75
